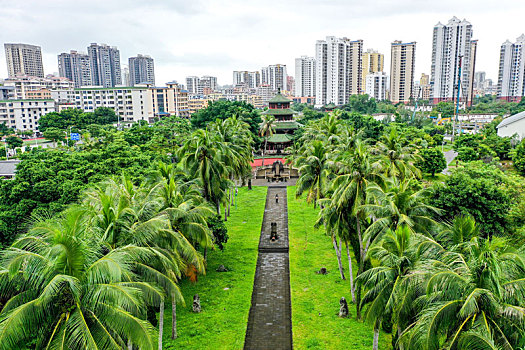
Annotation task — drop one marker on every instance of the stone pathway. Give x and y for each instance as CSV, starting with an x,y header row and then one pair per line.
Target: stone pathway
x,y
270,319
449,157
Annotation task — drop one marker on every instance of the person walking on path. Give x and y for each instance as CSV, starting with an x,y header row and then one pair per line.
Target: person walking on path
x,y
276,198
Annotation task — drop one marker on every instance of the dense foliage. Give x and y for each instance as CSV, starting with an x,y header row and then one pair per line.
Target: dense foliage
x,y
46,181
227,109
77,118
433,161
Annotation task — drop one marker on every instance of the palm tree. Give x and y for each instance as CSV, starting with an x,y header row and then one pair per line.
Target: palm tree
x,y
385,284
313,169
238,142
126,214
72,292
399,203
328,216
266,130
474,300
396,159
203,155
356,174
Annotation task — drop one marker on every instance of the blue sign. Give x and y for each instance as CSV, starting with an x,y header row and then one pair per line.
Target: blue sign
x,y
75,136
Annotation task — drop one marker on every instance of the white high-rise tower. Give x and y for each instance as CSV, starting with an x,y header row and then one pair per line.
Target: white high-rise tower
x,y
450,43
338,70
511,77
305,76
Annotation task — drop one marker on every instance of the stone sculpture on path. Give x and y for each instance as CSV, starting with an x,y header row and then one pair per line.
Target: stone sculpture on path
x,y
196,303
343,309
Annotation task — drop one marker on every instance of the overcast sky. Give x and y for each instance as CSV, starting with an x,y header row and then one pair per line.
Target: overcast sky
x,y
215,37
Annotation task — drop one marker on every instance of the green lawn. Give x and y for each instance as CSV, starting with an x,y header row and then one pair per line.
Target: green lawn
x,y
437,178
225,296
315,298
34,142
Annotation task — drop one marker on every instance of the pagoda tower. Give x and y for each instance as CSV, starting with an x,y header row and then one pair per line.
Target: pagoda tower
x,y
284,126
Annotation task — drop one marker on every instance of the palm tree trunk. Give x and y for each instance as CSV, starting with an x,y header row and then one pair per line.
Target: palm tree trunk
x,y
230,196
229,200
161,323
360,270
338,253
350,272
264,150
375,345
130,345
173,318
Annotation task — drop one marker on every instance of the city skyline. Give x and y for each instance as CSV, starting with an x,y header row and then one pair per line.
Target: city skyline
x,y
246,39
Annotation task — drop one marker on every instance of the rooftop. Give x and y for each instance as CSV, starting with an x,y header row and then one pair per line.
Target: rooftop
x,y
286,111
280,138
286,125
8,167
279,98
512,119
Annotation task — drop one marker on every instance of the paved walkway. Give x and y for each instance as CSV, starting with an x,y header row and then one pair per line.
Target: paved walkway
x,y
449,157
270,319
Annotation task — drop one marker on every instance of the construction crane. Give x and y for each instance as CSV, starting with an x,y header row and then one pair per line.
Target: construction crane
x,y
456,118
417,101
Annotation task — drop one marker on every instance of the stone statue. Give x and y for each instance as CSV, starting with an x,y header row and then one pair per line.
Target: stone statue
x,y
222,268
273,232
343,309
322,271
196,303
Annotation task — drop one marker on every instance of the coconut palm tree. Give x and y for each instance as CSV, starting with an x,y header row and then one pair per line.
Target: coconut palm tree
x,y
126,214
238,142
397,160
356,172
396,254
474,300
399,203
266,130
203,155
70,292
314,172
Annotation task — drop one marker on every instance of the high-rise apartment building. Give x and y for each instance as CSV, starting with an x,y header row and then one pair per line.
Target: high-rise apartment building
x,y
402,67
426,88
24,59
424,80
376,85
105,65
254,79
451,44
192,85
305,76
247,79
373,62
511,76
275,76
207,84
125,75
76,67
290,85
479,79
141,70
338,70
240,77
